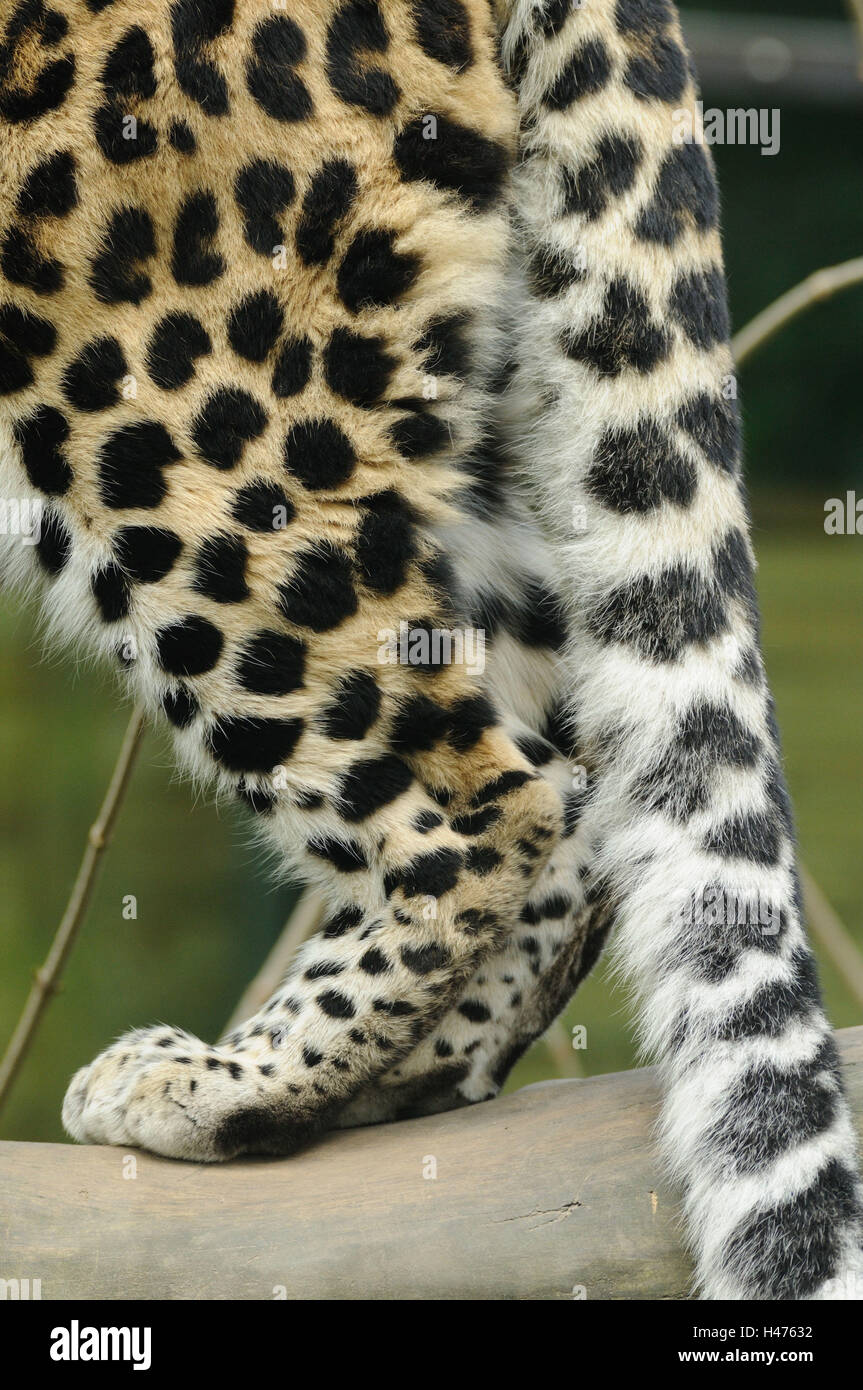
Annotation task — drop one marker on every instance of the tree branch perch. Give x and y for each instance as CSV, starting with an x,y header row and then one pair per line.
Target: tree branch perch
x,y
552,1193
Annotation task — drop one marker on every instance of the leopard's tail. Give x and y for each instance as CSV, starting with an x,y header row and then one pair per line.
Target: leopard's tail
x,y
624,411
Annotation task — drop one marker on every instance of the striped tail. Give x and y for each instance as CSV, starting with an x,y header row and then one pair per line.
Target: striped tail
x,y
623,410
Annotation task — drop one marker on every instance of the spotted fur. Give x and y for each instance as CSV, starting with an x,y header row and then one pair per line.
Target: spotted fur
x,y
398,316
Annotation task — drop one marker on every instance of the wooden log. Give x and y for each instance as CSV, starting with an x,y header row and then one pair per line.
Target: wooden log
x,y
549,1193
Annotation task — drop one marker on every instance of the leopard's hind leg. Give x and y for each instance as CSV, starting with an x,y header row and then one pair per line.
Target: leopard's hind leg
x,y
507,589
216,348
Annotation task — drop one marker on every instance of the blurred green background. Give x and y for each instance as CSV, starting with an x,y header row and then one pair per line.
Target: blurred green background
x,y
207,909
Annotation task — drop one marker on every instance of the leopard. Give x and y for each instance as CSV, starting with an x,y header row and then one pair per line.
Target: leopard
x,y
333,333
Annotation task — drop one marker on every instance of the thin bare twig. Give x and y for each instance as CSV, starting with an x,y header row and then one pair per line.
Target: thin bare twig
x,y
303,921
822,284
558,1040
47,980
833,935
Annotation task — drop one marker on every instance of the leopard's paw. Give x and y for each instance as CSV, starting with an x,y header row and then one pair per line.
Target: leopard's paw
x,y
161,1090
